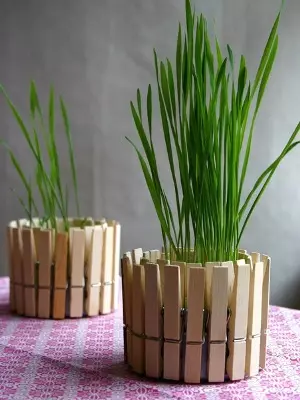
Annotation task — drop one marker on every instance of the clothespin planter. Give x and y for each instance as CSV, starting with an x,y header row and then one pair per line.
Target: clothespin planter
x,y
212,323
173,310
58,274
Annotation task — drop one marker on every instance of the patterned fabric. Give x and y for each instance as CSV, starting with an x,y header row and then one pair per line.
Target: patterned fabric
x,y
83,359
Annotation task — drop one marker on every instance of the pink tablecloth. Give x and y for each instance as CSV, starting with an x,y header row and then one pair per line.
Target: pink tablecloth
x,y
83,359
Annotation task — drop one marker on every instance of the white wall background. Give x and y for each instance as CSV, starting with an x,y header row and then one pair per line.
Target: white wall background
x,y
97,53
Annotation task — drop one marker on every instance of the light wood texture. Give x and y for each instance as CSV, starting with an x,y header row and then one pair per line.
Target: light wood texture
x,y
161,264
60,275
18,270
116,267
172,322
88,232
127,306
187,280
36,235
153,321
45,261
242,261
209,267
154,256
77,237
248,260
229,265
219,287
265,310
138,319
76,302
53,233
41,262
217,324
254,320
94,263
124,310
106,271
9,240
22,222
238,322
182,267
137,254
194,333
255,257
29,260
128,255
44,303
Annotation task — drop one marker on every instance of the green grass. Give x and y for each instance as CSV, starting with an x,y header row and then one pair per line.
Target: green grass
x,y
208,113
41,139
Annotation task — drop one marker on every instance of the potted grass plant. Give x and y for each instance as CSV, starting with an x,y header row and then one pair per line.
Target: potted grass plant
x,y
60,266
200,308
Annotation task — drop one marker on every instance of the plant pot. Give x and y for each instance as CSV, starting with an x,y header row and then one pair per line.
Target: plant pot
x,y
58,274
186,322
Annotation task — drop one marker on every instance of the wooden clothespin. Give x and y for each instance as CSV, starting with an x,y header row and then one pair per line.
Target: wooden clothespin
x,y
137,254
254,316
94,271
146,258
128,255
153,321
9,240
107,271
77,243
18,269
29,262
238,322
182,268
45,251
60,275
126,269
154,256
194,330
161,264
138,319
172,322
116,267
218,279
265,309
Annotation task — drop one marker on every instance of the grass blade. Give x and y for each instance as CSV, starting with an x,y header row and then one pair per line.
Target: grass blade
x,y
65,118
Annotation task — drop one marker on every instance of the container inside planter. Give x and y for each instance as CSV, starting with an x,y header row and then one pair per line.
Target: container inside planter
x,y
192,323
58,274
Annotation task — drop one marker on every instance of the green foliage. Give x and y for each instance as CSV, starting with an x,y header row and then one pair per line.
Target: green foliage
x,y
208,116
47,175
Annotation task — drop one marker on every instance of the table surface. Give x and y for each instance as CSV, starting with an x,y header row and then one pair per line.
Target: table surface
x,y
83,359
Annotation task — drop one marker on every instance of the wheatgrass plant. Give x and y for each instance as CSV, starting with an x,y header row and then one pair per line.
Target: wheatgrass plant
x,y
41,140
208,116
